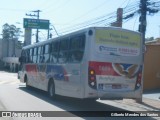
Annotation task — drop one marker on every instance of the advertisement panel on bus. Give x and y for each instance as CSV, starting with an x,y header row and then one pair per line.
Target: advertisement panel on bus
x,y
116,42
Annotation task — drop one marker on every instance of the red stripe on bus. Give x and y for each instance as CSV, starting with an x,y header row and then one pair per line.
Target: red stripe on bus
x,y
103,68
31,68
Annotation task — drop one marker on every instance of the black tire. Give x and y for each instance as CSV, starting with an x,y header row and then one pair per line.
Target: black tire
x,y
51,90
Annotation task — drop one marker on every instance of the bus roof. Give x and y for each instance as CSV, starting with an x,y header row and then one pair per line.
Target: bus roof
x,y
57,38
74,34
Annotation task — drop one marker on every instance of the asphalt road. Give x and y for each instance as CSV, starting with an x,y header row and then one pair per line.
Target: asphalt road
x,y
14,96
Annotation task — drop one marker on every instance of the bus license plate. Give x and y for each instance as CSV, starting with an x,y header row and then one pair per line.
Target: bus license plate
x,y
111,86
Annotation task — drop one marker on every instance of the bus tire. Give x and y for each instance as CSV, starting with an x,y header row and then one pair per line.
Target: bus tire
x,y
51,90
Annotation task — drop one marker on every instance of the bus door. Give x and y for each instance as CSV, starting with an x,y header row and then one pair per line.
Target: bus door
x,y
31,68
43,61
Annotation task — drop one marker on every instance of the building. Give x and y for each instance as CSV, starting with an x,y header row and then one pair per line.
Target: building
x,y
152,65
10,50
153,42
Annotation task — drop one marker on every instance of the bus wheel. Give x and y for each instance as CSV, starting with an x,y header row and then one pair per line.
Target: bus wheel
x,y
51,90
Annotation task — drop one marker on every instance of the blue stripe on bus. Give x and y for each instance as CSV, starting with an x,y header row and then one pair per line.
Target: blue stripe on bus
x,y
56,72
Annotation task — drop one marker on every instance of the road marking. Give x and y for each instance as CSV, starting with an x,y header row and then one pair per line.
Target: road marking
x,y
9,82
1,82
14,82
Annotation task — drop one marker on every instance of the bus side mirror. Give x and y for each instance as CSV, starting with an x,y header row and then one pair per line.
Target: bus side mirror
x,y
20,59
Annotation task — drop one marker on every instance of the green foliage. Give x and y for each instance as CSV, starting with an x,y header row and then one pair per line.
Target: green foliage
x,y
10,31
19,45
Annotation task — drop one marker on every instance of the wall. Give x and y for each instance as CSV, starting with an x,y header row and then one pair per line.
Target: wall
x,y
7,48
9,53
1,49
152,67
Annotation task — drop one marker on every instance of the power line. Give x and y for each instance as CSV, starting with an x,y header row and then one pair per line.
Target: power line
x,y
13,10
46,4
104,20
48,10
107,19
124,3
50,5
91,10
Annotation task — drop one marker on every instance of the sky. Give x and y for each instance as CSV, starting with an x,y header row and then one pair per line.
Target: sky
x,y
69,15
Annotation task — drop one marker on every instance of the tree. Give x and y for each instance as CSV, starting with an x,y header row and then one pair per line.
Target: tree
x,y
10,31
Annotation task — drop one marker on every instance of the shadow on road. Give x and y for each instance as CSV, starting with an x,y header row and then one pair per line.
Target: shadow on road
x,y
77,107
71,103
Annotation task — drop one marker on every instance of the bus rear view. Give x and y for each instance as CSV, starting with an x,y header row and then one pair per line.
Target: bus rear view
x,y
115,64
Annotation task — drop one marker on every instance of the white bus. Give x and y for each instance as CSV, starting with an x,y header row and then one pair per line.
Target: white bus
x,y
96,62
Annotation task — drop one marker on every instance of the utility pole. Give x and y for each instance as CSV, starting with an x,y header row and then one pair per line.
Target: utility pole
x,y
35,15
119,21
142,29
119,17
142,19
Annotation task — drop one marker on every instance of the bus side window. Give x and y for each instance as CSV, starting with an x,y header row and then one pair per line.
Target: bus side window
x,y
31,56
41,58
82,42
63,53
39,54
77,46
46,53
27,56
54,52
35,55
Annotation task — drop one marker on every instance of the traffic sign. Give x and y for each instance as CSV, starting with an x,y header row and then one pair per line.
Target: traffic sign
x,y
35,23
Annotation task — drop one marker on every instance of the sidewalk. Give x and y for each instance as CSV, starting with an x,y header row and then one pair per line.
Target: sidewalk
x,y
150,102
152,94
152,99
